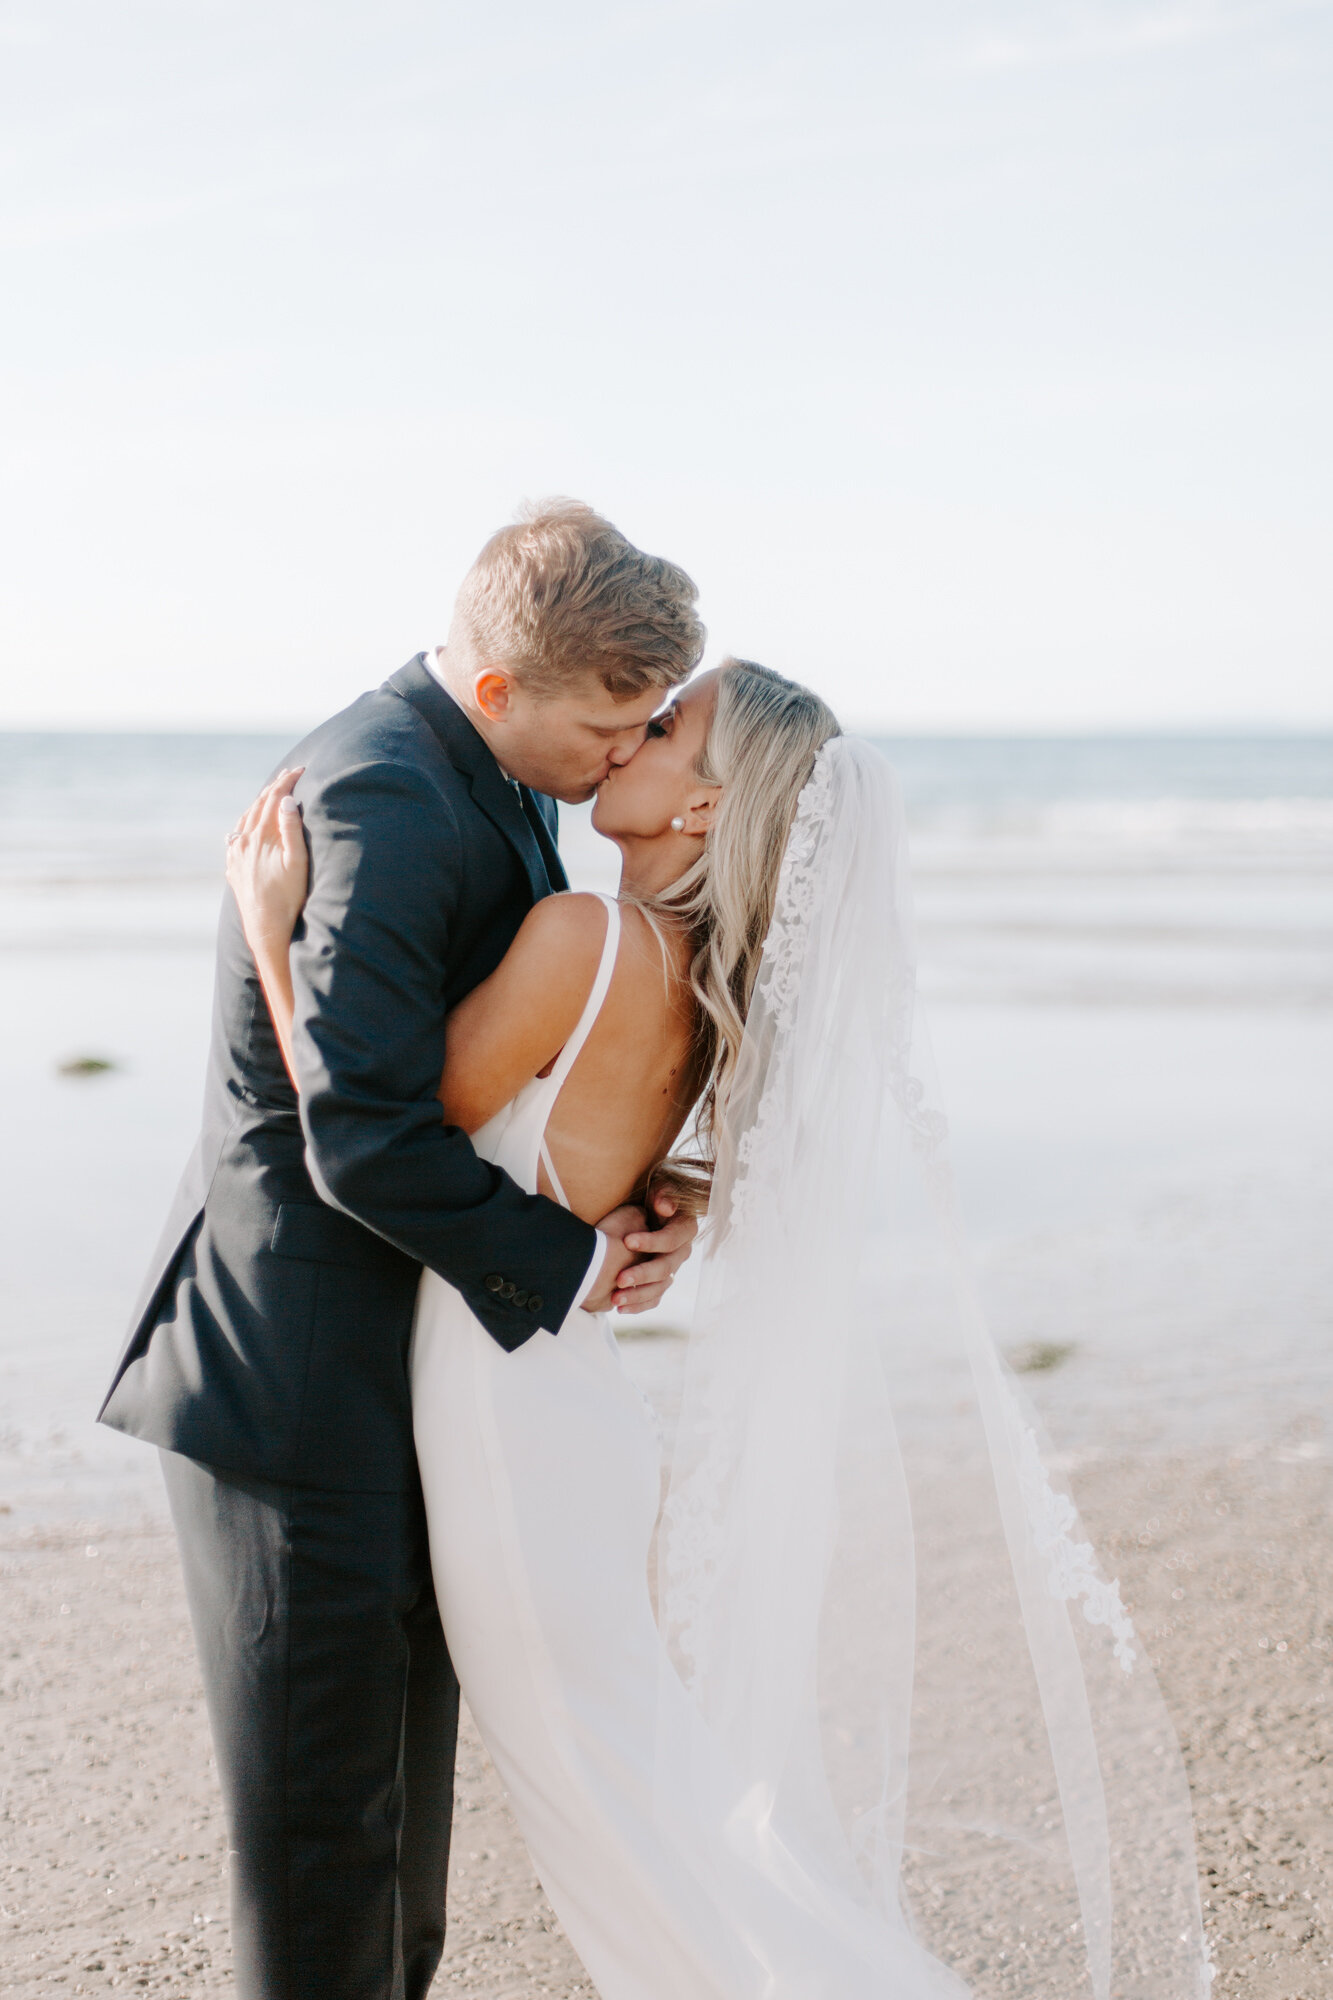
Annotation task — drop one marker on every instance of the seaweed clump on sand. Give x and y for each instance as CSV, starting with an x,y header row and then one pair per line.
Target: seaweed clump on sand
x,y
1038,1357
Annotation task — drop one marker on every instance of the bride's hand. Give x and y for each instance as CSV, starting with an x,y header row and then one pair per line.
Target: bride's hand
x,y
267,865
658,1251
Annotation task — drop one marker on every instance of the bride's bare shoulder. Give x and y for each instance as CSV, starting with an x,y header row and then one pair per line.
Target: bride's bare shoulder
x,y
553,959
573,923
562,938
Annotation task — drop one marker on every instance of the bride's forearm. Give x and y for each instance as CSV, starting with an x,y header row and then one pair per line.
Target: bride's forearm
x,y
275,976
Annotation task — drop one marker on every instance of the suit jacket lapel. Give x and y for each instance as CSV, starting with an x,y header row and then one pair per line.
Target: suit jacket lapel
x,y
491,790
541,813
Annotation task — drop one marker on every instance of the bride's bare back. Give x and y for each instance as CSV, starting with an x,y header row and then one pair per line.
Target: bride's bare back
x,y
631,1089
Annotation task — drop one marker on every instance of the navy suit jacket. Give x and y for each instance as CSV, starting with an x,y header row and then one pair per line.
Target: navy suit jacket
x,y
271,1337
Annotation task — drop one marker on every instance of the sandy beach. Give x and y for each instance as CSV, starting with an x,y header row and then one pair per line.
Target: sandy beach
x,y
114,1855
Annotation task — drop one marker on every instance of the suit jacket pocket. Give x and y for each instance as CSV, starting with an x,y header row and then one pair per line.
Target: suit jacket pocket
x,y
316,1234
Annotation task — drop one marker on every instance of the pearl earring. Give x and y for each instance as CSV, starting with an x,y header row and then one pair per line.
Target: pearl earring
x,y
678,824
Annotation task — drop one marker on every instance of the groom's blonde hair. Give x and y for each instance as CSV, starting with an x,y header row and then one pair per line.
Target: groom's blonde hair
x,y
560,593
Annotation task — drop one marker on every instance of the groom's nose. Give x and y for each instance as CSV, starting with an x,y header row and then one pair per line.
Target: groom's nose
x,y
624,746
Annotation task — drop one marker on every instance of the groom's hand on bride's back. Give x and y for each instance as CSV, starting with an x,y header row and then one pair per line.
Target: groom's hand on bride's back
x,y
641,1258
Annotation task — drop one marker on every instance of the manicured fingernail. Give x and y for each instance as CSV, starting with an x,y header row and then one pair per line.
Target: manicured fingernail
x,y
288,805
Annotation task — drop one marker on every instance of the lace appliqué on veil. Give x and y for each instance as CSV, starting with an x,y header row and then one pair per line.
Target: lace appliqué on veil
x,y
1071,1567
758,1156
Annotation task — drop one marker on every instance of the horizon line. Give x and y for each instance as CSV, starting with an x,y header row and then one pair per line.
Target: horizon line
x,y
1060,727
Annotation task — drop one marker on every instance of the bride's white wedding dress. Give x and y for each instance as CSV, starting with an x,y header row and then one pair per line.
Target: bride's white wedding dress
x,y
542,1479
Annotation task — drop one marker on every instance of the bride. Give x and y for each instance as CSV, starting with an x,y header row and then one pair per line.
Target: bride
x,y
883,1729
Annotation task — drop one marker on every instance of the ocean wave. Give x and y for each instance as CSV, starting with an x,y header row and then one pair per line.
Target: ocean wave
x,y
1259,822
1184,818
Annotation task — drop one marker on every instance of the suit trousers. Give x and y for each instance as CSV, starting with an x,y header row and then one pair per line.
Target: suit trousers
x,y
334,1710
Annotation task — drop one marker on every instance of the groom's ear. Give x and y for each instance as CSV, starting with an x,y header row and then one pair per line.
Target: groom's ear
x,y
493,692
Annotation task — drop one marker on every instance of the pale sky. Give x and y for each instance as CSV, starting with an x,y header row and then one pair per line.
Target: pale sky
x,y
973,357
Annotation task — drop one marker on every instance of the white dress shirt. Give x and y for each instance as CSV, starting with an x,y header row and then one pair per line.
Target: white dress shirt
x,y
431,656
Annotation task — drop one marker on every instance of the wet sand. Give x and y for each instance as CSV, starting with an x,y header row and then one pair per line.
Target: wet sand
x,y
111,1865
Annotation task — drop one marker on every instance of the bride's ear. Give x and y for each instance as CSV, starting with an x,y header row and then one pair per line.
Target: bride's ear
x,y
700,809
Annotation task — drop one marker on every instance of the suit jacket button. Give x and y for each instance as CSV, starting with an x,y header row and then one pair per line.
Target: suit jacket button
x,y
520,1298
507,1289
534,1302
495,1283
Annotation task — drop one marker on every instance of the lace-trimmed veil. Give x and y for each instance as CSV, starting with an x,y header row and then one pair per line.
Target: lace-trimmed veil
x,y
939,1726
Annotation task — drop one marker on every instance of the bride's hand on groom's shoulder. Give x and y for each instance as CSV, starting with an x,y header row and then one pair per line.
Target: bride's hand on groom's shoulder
x,y
641,1259
268,869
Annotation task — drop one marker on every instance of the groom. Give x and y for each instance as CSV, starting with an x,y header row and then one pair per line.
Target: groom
x,y
268,1355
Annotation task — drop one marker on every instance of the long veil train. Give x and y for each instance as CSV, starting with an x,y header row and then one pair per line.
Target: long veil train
x,y
940,1723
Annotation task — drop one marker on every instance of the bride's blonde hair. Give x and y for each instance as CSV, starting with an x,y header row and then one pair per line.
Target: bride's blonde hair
x,y
761,747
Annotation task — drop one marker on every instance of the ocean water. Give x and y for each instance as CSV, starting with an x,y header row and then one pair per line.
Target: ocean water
x,y
1127,943
1094,870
